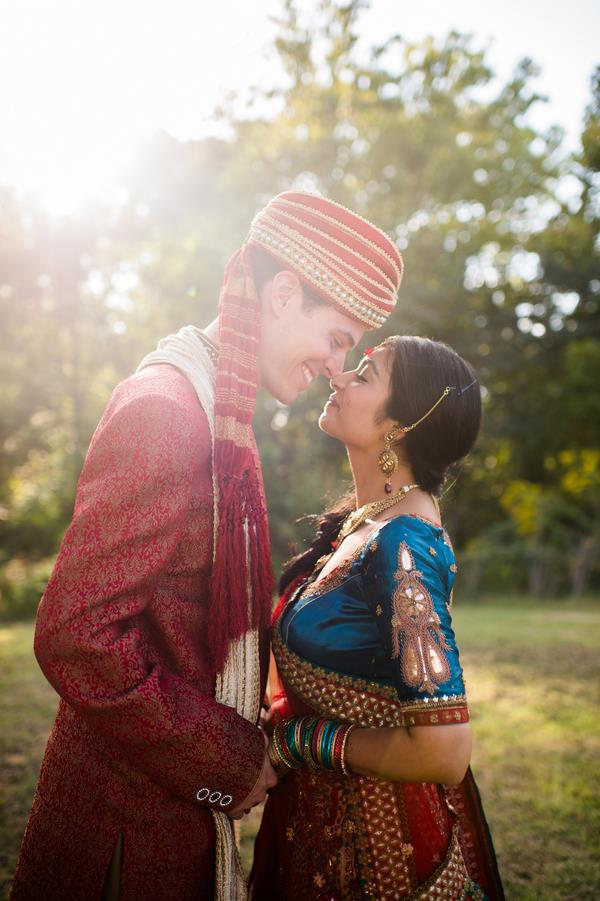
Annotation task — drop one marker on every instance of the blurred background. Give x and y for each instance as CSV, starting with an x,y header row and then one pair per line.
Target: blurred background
x,y
136,143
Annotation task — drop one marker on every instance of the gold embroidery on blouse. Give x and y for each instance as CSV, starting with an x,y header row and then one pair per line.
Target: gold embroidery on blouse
x,y
330,580
417,637
319,585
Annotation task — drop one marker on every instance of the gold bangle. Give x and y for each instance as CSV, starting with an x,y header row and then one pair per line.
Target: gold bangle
x,y
343,763
276,761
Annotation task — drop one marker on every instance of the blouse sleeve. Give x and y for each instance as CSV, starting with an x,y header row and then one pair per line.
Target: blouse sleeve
x,y
408,576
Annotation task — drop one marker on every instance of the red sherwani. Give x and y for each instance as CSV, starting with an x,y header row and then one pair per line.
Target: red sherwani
x,y
121,636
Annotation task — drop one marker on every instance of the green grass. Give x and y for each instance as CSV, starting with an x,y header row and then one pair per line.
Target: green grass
x,y
533,680
26,715
532,674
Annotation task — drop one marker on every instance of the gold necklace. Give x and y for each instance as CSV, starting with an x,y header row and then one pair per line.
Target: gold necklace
x,y
358,517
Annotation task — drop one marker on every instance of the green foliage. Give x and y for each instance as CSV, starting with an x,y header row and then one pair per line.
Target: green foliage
x,y
420,139
21,586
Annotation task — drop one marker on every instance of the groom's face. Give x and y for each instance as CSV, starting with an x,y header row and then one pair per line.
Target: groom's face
x,y
300,341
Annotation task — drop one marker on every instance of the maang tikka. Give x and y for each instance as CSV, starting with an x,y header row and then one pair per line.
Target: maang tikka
x,y
388,459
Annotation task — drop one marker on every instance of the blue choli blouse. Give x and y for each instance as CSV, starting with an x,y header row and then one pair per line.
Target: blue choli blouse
x,y
385,615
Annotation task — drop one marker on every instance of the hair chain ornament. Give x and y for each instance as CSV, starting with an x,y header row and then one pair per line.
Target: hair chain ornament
x,y
445,393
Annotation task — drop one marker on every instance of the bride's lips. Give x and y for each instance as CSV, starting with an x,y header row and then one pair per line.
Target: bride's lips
x,y
331,400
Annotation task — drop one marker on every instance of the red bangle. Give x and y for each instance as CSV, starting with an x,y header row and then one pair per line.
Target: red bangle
x,y
337,749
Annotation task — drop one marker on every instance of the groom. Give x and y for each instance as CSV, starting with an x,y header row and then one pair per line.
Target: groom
x,y
153,627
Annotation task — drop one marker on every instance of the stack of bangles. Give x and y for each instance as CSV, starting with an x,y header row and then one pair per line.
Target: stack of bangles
x,y
307,741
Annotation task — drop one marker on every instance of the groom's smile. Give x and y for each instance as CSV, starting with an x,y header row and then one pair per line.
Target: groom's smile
x,y
308,375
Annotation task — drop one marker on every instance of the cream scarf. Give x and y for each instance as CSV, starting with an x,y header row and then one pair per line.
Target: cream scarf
x,y
238,685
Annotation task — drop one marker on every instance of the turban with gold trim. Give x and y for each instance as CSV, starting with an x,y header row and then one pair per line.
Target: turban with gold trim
x,y
343,257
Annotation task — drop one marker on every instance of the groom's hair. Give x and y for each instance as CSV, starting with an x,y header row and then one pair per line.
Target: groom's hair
x,y
265,267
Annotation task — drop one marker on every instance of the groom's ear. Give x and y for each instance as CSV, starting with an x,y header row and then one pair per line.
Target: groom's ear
x,y
283,293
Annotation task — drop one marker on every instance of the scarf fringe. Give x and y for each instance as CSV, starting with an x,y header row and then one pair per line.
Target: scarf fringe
x,y
236,591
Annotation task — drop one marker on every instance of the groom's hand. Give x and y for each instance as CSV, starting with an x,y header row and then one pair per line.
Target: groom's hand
x,y
266,780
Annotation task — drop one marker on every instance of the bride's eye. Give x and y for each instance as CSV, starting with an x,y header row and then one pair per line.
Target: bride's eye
x,y
360,377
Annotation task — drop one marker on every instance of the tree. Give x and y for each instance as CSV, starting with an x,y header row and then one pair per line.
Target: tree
x,y
417,138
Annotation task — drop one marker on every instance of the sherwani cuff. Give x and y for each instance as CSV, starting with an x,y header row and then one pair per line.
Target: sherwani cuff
x,y
241,771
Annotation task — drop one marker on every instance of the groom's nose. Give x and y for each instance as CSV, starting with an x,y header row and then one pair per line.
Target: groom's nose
x,y
334,364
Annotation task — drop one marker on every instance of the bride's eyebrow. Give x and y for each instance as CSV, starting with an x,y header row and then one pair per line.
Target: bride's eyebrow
x,y
367,361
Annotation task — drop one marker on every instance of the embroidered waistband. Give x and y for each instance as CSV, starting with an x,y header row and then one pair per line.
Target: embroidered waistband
x,y
359,701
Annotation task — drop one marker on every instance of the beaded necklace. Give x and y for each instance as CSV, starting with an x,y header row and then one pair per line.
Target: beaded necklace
x,y
355,519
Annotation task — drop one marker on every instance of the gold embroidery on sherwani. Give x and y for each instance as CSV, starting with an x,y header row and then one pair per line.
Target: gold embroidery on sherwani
x,y
417,637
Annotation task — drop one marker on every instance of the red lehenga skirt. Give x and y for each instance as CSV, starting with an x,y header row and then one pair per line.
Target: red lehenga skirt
x,y
328,838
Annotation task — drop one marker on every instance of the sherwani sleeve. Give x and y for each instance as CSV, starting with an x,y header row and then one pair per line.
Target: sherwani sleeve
x,y
132,499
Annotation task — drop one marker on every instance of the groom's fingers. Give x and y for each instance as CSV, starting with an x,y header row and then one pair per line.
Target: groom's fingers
x,y
267,779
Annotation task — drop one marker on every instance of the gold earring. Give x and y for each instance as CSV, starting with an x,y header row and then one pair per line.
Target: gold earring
x,y
388,459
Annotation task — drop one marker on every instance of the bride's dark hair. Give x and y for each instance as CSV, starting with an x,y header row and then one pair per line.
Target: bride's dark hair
x,y
421,369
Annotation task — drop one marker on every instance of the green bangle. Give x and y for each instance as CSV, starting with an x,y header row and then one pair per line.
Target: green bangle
x,y
282,746
330,731
307,744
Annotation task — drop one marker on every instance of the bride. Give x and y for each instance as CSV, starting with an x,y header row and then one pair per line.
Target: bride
x,y
369,720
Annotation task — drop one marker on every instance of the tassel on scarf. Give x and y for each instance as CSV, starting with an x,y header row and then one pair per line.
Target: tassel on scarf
x,y
240,594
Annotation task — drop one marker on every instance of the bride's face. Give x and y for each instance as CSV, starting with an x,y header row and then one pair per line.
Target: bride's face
x,y
354,412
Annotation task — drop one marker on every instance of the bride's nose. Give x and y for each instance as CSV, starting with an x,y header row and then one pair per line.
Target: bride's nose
x,y
338,380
